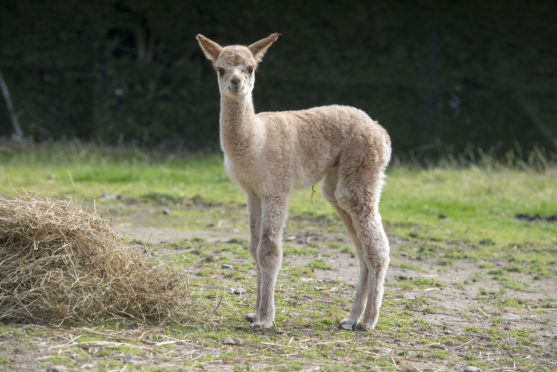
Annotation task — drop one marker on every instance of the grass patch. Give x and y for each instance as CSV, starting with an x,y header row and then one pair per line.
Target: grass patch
x,y
289,250
319,264
479,204
478,225
417,283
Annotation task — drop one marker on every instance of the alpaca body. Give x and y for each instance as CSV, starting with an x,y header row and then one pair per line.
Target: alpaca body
x,y
290,150
271,154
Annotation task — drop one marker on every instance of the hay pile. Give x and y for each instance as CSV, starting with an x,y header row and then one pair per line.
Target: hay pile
x,y
62,264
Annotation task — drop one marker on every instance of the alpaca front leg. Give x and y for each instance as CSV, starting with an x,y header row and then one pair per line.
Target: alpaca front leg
x,y
254,215
269,257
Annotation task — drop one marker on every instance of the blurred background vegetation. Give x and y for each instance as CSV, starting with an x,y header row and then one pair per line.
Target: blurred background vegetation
x,y
445,78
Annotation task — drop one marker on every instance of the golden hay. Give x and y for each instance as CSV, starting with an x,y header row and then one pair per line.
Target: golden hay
x,y
59,263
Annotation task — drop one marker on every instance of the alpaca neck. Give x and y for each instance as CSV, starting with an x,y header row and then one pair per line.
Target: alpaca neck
x,y
237,125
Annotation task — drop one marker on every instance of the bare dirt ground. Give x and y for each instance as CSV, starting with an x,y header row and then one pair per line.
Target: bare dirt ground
x,y
454,306
457,304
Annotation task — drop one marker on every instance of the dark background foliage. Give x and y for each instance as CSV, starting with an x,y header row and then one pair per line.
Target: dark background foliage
x,y
442,77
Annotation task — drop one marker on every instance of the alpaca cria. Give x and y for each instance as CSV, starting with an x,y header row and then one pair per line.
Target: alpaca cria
x,y
270,154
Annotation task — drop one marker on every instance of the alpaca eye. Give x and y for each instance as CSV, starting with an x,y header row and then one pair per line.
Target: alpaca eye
x,y
250,70
221,71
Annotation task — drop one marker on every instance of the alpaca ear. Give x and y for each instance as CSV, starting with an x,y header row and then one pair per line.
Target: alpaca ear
x,y
209,47
259,48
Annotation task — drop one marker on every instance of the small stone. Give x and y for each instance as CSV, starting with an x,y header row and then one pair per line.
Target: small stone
x,y
237,291
408,368
128,359
318,288
409,296
56,369
510,316
328,280
166,211
471,369
226,266
228,341
106,195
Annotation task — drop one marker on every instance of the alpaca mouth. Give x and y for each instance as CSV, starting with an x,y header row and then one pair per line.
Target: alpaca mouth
x,y
235,90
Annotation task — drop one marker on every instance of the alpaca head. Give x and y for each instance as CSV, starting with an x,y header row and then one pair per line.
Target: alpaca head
x,y
235,64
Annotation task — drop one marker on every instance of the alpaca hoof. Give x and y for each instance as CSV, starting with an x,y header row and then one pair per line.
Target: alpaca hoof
x,y
347,325
250,317
262,325
362,327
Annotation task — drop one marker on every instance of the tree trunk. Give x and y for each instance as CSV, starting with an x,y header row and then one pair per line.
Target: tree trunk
x,y
10,106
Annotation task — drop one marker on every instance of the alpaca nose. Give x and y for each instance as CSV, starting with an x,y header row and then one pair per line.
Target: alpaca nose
x,y
235,81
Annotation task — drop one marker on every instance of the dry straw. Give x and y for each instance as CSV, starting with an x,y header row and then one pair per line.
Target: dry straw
x,y
62,264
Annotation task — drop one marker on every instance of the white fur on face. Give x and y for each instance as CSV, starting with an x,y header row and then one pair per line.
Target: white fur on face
x,y
246,80
235,63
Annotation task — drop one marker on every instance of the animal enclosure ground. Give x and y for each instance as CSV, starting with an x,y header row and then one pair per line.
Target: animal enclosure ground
x,y
469,283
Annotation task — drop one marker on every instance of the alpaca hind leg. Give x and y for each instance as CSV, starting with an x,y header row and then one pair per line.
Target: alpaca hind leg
x,y
362,203
328,187
376,254
363,282
360,299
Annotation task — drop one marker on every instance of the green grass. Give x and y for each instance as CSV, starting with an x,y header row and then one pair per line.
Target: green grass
x,y
478,204
479,226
